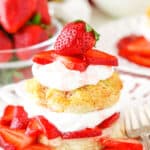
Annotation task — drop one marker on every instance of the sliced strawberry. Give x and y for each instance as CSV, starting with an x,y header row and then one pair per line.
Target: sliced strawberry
x,y
139,47
5,44
85,133
125,41
45,57
17,138
109,121
42,10
37,147
138,59
124,53
7,115
120,144
15,117
34,128
6,145
20,118
75,39
28,36
108,148
14,14
97,57
40,125
73,63
144,61
134,45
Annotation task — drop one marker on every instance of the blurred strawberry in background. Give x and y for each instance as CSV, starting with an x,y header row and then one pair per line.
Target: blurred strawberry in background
x,y
23,24
5,43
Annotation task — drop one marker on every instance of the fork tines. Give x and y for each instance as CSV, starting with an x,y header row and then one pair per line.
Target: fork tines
x,y
137,123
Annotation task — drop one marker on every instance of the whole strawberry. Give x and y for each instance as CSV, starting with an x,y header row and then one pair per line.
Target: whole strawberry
x,y
29,35
42,10
5,45
15,13
75,39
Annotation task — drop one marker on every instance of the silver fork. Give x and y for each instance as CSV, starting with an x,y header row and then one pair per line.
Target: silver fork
x,y
137,123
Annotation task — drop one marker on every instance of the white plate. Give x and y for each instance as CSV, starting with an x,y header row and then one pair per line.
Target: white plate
x,y
135,91
113,31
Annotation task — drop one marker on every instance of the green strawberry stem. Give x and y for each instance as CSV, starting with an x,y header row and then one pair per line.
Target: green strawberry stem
x,y
36,19
97,35
90,29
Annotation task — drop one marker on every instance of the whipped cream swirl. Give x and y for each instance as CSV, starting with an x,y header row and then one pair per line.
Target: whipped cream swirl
x,y
56,75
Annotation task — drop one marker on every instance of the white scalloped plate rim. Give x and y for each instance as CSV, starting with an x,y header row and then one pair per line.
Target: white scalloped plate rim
x,y
113,31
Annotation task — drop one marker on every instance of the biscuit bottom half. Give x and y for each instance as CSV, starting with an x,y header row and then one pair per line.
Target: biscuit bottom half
x,y
84,99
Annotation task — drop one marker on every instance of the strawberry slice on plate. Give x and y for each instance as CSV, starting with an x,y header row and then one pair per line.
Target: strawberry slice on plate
x,y
15,117
109,121
140,46
40,125
85,133
120,144
136,49
38,147
144,61
14,14
17,138
7,115
97,57
5,44
138,59
125,41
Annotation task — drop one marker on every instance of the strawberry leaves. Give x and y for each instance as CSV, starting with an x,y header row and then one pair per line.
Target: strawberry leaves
x,y
89,29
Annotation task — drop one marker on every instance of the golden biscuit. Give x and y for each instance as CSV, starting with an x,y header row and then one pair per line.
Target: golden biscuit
x,y
85,99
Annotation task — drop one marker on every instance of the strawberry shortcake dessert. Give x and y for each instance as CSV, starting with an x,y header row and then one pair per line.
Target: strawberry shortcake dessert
x,y
74,94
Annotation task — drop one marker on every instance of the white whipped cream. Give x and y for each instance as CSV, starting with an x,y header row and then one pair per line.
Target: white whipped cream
x,y
65,122
56,75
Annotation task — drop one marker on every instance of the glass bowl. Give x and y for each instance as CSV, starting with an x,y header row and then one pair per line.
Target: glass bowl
x,y
19,67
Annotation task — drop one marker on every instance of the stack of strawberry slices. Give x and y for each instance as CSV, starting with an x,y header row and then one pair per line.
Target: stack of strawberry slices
x,y
72,99
135,48
22,24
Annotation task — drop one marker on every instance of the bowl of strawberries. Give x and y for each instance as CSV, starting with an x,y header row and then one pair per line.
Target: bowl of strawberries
x,y
26,27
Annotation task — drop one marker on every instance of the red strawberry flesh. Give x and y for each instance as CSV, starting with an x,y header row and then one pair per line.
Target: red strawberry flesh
x,y
88,132
40,125
17,138
134,44
29,36
5,45
45,57
42,10
121,144
109,121
97,57
38,147
73,63
14,14
15,117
